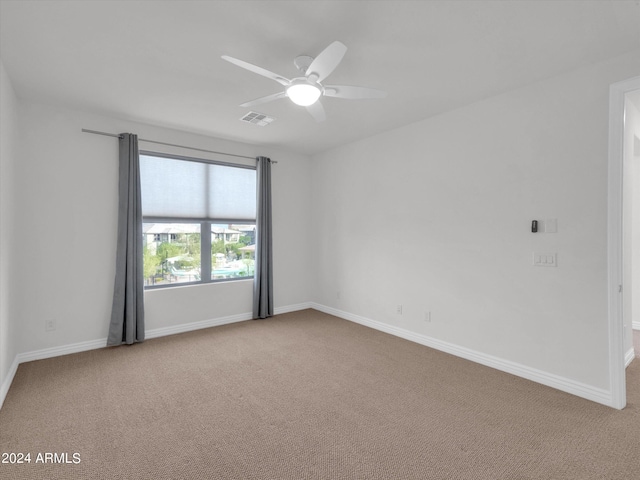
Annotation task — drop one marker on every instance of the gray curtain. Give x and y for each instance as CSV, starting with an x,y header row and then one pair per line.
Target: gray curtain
x,y
263,279
127,313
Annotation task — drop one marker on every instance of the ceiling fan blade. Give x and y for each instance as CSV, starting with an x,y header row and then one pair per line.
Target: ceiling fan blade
x,y
317,111
268,98
259,70
352,93
327,61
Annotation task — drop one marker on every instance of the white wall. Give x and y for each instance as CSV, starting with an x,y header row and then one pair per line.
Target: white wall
x,y
66,210
436,216
631,229
8,159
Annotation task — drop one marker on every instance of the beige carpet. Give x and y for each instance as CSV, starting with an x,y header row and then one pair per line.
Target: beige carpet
x,y
305,396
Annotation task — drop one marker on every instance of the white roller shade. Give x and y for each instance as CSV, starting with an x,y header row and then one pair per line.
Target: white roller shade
x,y
176,188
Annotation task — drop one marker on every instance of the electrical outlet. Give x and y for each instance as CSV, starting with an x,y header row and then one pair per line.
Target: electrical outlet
x,y
338,295
427,317
50,325
399,309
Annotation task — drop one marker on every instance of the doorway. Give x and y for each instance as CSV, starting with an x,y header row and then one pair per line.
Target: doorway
x,y
631,225
620,338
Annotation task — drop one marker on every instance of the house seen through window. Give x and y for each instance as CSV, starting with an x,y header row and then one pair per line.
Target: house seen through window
x,y
199,220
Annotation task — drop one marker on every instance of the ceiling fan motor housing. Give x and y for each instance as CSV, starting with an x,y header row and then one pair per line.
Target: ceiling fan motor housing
x,y
303,62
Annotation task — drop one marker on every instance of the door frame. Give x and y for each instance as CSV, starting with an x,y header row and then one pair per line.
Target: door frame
x,y
617,380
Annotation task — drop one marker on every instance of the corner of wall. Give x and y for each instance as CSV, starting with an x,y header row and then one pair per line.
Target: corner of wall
x,y
7,380
8,142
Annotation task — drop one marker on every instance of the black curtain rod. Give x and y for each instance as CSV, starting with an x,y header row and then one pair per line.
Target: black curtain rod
x,y
171,145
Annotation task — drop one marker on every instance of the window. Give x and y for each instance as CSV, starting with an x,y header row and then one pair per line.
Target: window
x,y
199,220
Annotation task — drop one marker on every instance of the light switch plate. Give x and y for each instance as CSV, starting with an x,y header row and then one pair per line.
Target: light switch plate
x,y
551,225
545,259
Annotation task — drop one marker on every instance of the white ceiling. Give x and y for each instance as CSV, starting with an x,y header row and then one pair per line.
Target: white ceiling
x,y
159,62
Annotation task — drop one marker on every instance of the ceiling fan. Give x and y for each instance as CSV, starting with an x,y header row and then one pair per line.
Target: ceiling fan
x,y
307,89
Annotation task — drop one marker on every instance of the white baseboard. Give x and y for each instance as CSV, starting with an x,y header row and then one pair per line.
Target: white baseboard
x,y
551,380
154,333
4,388
629,356
635,325
188,327
292,308
216,322
62,350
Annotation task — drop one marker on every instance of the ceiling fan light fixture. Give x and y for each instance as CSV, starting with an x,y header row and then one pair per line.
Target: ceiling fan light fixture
x,y
303,93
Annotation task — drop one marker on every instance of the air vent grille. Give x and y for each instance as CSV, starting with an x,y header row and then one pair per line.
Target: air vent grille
x,y
256,118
